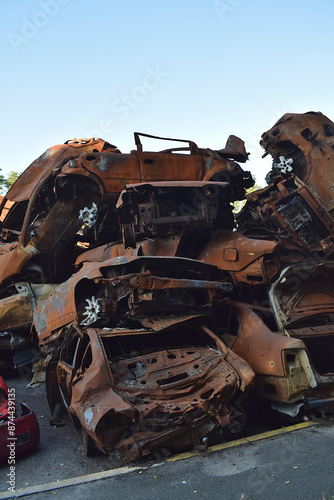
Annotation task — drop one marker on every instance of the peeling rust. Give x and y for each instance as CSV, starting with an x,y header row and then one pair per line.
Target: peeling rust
x,y
140,391
163,315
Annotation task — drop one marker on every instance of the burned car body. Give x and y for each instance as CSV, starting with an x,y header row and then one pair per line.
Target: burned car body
x,y
302,144
152,344
136,373
115,171
34,223
288,207
161,209
304,294
170,218
194,220
250,260
302,301
282,366
119,291
299,199
18,302
150,389
68,195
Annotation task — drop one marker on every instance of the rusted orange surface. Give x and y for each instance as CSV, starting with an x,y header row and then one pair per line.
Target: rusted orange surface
x,y
268,353
288,208
17,304
113,172
141,391
195,219
53,158
306,139
159,313
125,288
33,221
76,184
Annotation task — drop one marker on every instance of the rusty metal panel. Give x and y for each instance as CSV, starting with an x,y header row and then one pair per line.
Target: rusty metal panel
x,y
303,145
79,182
281,364
140,390
244,258
159,209
287,207
168,322
96,293
18,302
52,159
304,292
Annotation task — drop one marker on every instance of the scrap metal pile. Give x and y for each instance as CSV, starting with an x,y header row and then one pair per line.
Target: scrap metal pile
x,y
162,315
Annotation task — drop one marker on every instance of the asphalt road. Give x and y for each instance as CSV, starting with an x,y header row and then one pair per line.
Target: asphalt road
x,y
296,465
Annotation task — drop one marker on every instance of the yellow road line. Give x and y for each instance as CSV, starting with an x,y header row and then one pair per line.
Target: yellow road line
x,y
31,490
249,439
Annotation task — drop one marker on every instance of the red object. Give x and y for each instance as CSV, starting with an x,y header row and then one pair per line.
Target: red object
x,y
19,429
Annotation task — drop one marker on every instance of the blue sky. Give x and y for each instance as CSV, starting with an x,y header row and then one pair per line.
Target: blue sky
x,y
198,70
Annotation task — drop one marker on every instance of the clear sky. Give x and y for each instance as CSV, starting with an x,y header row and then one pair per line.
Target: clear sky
x,y
190,69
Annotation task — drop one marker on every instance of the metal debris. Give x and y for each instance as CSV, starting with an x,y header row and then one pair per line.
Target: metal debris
x,y
159,314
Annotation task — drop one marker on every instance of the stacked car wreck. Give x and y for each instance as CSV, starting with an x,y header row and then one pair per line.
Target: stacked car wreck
x,y
161,316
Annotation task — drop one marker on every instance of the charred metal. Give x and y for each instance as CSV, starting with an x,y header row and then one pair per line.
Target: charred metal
x,y
163,315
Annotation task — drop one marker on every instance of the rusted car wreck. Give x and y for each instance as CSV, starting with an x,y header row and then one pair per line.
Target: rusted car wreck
x,y
131,355
150,390
160,312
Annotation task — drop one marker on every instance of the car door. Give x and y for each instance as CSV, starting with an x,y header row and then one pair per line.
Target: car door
x,y
68,364
177,163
